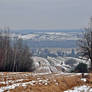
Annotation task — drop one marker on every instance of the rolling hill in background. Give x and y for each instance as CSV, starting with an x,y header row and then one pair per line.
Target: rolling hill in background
x,y
49,38
28,31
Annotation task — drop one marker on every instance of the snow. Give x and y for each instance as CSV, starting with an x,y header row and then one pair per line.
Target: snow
x,y
55,65
48,36
45,65
53,69
56,84
83,88
43,69
28,36
83,79
32,83
11,81
41,61
12,84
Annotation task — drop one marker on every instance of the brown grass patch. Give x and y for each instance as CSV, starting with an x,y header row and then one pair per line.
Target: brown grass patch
x,y
56,84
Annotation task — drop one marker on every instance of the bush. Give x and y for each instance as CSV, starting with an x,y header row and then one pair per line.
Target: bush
x,y
81,68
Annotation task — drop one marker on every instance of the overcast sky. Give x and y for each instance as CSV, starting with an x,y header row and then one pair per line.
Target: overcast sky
x,y
45,14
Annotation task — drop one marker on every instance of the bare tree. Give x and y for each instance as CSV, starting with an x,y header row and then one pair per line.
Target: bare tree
x,y
14,56
85,43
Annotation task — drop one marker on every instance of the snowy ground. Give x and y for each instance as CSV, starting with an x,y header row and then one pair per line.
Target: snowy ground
x,y
11,81
24,84
83,88
55,65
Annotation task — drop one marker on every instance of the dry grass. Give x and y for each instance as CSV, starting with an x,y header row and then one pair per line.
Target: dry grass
x,y
43,83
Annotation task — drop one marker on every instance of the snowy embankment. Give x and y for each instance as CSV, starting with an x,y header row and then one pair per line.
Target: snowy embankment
x,y
83,88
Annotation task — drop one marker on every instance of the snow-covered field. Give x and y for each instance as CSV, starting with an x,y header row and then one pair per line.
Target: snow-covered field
x,y
42,82
21,82
10,81
56,65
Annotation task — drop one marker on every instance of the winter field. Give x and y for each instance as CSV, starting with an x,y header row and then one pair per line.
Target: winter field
x,y
56,65
41,82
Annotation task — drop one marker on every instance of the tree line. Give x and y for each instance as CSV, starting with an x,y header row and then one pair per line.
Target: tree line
x,y
15,56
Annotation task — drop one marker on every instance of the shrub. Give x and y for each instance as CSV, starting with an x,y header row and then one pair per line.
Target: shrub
x,y
81,68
